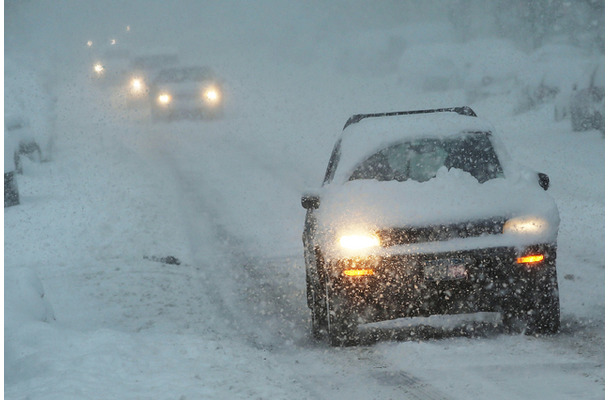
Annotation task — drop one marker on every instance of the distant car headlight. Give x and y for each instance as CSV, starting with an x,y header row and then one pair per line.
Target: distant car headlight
x,y
136,86
359,242
528,225
164,99
98,68
211,95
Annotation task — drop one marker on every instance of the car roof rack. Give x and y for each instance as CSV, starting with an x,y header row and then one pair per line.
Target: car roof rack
x,y
465,110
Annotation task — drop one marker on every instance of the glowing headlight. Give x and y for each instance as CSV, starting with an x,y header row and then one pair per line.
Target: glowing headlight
x,y
164,98
525,225
358,242
136,85
211,95
98,68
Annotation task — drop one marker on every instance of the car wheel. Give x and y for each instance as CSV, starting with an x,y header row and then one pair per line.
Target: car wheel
x,y
538,310
342,323
318,308
543,317
318,317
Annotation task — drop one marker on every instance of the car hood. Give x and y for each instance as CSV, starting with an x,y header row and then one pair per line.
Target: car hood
x,y
452,197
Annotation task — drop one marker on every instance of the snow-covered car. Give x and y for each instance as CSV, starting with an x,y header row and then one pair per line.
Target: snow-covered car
x,y
423,213
192,92
584,103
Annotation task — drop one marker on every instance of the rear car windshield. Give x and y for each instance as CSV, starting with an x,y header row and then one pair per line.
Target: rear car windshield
x,y
420,159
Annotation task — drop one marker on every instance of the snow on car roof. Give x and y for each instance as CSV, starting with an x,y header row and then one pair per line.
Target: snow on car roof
x,y
370,135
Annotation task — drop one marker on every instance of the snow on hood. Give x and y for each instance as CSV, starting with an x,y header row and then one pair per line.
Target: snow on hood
x,y
453,196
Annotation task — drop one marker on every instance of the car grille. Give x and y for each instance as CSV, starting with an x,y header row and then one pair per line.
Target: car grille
x,y
408,235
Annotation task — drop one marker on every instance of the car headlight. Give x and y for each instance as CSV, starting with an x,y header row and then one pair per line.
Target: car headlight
x,y
211,95
98,68
359,242
525,225
136,85
164,99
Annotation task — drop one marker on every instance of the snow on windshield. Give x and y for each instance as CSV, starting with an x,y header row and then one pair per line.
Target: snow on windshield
x,y
371,135
420,159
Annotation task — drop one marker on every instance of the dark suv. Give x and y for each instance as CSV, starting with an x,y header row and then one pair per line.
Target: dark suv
x,y
421,213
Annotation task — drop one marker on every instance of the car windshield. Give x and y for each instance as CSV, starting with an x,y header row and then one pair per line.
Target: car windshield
x,y
177,75
421,159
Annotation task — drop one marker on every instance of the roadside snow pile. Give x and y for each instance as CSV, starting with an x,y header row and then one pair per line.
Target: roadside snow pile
x,y
28,302
29,107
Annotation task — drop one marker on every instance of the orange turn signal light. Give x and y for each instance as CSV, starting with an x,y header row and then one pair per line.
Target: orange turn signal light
x,y
530,259
359,272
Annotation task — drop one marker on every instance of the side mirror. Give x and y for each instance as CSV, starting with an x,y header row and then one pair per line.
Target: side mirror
x,y
310,201
544,181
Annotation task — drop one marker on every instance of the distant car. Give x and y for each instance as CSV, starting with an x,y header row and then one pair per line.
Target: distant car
x,y
143,69
584,106
186,92
421,213
111,67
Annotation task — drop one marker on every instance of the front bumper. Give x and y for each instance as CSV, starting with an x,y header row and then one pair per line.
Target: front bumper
x,y
402,286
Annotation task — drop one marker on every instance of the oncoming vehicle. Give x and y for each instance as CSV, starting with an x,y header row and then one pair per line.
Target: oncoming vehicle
x,y
144,67
191,92
111,68
424,213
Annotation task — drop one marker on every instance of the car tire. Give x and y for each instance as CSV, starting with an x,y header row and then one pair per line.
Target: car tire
x,y
318,308
318,318
342,323
544,315
537,312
